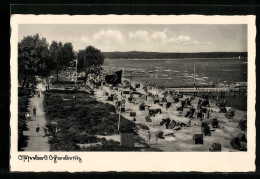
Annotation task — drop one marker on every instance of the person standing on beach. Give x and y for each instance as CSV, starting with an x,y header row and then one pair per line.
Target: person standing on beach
x,y
148,137
34,111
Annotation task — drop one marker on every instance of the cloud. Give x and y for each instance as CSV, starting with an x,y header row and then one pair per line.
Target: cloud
x,y
167,37
109,37
137,40
184,40
78,43
139,36
159,36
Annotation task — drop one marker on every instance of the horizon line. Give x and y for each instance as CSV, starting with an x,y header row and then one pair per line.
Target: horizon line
x,y
178,52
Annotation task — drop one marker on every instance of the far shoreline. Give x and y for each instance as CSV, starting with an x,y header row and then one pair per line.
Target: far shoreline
x,y
175,58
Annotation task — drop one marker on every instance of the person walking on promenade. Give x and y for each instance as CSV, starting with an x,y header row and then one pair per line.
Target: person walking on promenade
x,y
34,111
39,94
33,90
37,128
27,116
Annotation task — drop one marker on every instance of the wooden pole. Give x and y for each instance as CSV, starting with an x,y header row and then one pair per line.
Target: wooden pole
x,y
194,75
118,126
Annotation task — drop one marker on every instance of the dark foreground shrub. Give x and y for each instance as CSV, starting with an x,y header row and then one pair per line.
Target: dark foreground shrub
x,y
23,102
79,118
109,145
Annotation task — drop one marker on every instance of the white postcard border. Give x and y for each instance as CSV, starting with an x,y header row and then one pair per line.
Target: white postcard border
x,y
136,161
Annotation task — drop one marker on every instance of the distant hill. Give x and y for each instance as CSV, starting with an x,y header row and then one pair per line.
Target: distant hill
x,y
159,55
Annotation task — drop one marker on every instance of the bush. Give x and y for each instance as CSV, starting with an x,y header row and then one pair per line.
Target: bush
x,y
23,102
109,145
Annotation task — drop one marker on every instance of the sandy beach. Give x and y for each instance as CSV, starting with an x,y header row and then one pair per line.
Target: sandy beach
x,y
177,138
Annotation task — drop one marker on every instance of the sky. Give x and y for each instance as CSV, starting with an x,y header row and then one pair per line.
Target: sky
x,y
144,37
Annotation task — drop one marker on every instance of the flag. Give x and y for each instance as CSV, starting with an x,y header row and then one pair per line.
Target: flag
x,y
115,78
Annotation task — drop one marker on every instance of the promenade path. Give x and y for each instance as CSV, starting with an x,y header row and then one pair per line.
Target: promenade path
x,y
36,141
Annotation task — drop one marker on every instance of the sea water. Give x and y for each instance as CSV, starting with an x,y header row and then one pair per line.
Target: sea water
x,y
180,72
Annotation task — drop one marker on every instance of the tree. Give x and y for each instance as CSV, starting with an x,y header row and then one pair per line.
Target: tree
x,y
61,55
89,60
33,53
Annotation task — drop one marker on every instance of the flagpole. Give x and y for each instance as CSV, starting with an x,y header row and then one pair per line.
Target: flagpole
x,y
123,74
120,101
76,71
194,75
120,112
75,80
